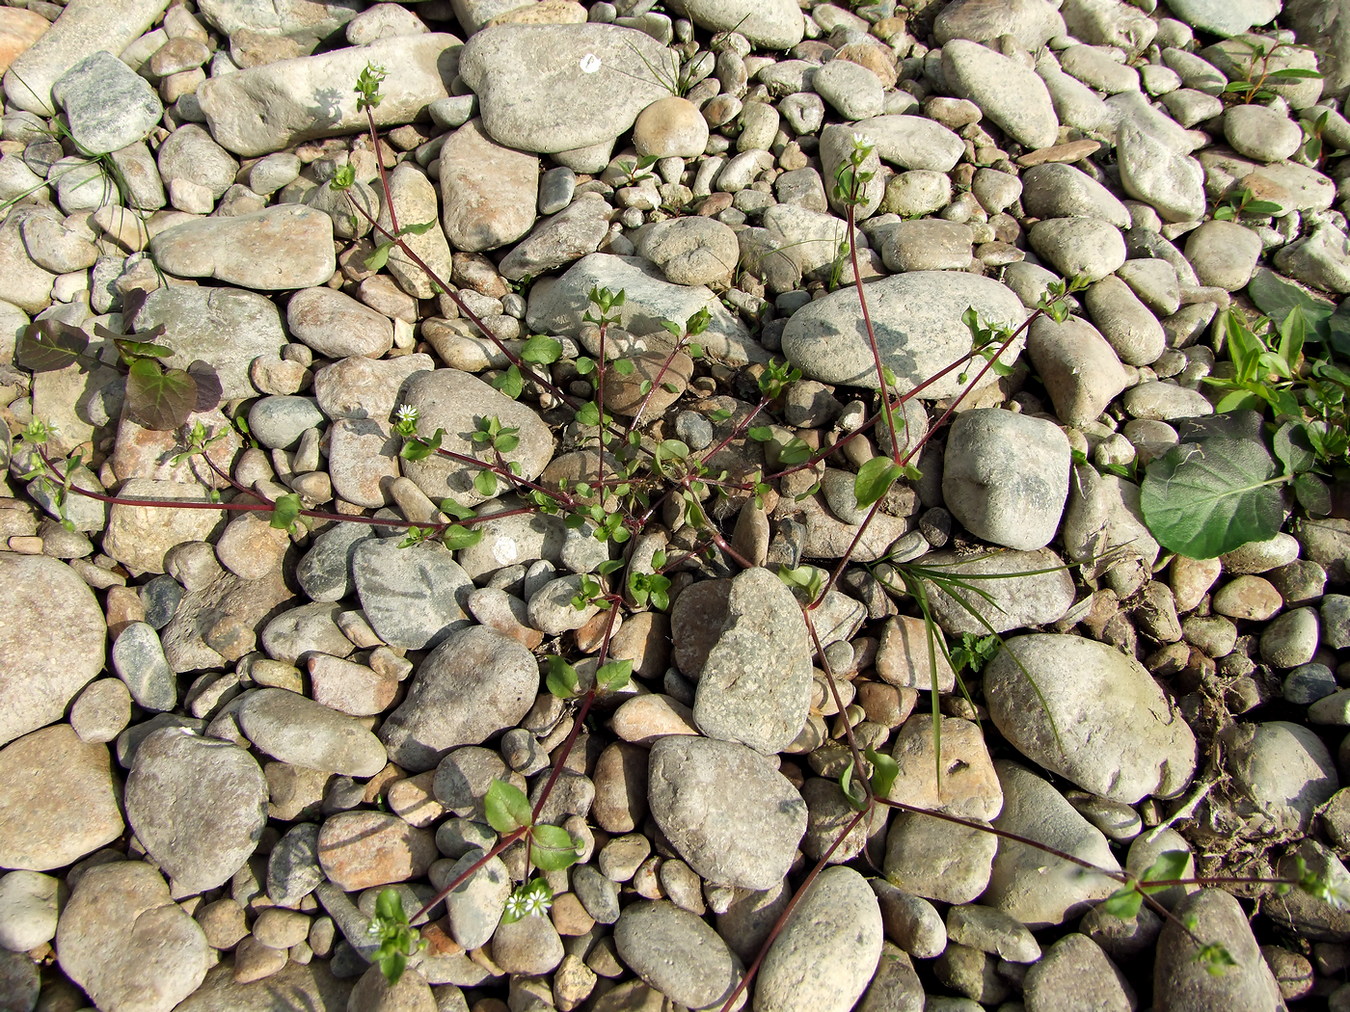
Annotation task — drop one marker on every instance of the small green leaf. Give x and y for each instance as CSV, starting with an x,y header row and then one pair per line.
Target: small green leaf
x,y
613,676
553,848
588,414
874,480
1124,902
417,447
541,350
485,483
458,536
1262,207
285,511
453,509
623,366
1216,959
795,451
1294,74
884,771
760,433
506,807
510,382
379,257
854,793
1170,866
562,680
420,229
389,905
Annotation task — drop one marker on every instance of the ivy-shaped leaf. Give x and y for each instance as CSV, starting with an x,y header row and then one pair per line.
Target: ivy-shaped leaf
x,y
50,344
159,398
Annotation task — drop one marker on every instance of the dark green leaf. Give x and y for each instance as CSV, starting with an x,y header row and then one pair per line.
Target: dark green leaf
x,y
1275,297
130,349
553,848
285,510
874,480
1204,499
1293,448
159,398
588,414
50,344
209,390
1312,494
1294,73
1263,207
506,807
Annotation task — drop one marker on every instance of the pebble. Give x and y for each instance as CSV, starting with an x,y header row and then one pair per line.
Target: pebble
x,y
293,729
1220,920
1025,883
413,597
754,673
1006,477
126,943
358,850
475,683
1075,969
937,861
59,799
1283,770
28,903
297,242
1009,93
827,951
197,805
677,953
706,795
41,675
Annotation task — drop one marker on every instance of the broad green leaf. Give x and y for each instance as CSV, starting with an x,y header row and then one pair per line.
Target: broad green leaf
x,y
1275,297
588,414
874,480
159,398
552,848
506,807
1263,207
562,679
795,451
760,433
285,510
50,344
613,676
1124,902
1294,73
1201,500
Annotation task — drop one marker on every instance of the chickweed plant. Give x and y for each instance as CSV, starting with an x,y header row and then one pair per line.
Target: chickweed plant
x,y
641,479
